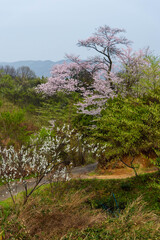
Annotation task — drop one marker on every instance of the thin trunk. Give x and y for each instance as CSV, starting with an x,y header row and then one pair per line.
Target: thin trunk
x,y
10,191
130,166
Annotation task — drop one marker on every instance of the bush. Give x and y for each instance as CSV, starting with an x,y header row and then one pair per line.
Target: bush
x,y
12,127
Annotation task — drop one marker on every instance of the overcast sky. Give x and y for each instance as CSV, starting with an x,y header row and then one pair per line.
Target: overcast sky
x,y
47,29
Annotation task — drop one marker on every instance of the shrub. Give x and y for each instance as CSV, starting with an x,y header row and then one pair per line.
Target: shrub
x,y
12,127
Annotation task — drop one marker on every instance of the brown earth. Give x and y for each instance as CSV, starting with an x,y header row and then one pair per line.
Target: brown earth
x,y
117,170
120,173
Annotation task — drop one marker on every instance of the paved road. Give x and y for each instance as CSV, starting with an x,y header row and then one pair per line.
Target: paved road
x,y
84,170
75,172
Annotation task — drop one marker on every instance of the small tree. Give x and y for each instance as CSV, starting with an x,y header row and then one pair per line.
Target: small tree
x,y
48,157
41,158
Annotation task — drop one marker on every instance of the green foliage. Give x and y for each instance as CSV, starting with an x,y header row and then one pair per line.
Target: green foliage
x,y
12,127
126,186
150,79
7,85
129,126
83,123
20,91
59,108
156,162
140,76
9,118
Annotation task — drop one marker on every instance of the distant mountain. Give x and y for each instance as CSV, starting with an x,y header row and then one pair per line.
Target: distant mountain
x,y
41,68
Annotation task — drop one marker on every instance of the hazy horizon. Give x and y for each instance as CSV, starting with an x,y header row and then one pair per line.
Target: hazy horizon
x,y
29,60
47,29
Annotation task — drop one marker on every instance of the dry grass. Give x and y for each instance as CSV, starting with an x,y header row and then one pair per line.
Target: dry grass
x,y
135,223
65,214
136,220
56,220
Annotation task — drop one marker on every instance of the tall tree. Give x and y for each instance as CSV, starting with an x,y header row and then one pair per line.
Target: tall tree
x,y
106,41
93,77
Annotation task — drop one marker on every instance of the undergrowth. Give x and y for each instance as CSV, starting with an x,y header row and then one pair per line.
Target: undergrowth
x,y
87,209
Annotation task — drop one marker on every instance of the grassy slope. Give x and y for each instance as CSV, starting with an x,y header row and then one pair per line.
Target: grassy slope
x,y
86,209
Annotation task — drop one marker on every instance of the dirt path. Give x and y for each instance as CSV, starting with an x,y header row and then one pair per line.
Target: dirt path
x,y
117,173
77,172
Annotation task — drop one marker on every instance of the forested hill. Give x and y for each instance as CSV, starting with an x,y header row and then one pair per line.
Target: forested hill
x,y
41,68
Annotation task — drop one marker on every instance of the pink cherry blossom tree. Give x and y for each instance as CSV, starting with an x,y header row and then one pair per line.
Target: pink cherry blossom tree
x,y
93,78
106,41
62,79
67,77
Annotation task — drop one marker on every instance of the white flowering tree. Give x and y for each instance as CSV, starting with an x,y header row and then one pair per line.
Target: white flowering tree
x,y
14,165
44,156
47,156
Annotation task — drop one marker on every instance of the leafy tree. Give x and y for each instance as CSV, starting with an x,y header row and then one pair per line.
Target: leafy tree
x,y
20,91
128,126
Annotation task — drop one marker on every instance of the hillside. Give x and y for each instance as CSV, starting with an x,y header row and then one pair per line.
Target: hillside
x,y
41,68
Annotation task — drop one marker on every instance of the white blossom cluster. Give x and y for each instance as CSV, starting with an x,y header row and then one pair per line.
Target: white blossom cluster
x,y
14,163
44,157
41,158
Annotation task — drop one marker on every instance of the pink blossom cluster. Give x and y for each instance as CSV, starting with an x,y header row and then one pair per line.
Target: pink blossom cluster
x,y
134,61
141,70
61,79
95,100
106,41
